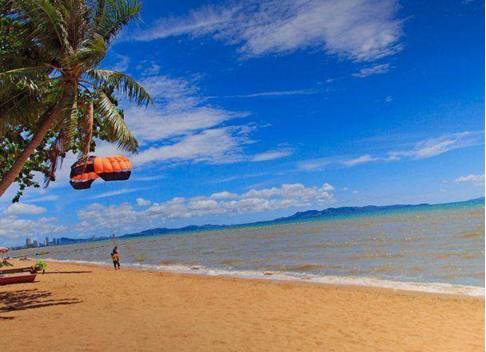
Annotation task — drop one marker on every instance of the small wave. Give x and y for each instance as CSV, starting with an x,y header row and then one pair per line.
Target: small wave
x,y
310,267
166,262
367,256
460,255
441,288
300,267
72,261
471,235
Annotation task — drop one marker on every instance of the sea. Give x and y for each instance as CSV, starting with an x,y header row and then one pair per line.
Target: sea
x,y
432,249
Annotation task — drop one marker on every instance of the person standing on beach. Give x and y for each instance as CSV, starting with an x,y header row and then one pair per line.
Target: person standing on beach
x,y
115,256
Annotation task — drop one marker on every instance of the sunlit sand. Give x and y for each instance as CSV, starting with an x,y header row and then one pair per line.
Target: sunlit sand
x,y
90,308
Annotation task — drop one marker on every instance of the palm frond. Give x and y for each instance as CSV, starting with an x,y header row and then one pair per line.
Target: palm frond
x,y
47,22
114,15
20,109
114,124
75,14
41,69
98,14
91,52
112,80
25,78
68,124
24,100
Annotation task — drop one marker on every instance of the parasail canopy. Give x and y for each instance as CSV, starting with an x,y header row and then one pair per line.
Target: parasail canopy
x,y
111,168
82,173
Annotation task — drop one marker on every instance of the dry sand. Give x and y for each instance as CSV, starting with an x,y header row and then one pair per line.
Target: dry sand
x,y
90,308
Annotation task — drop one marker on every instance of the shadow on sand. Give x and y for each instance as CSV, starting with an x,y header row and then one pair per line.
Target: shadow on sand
x,y
68,272
29,299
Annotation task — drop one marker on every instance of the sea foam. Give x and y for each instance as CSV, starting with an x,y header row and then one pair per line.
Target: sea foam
x,y
428,287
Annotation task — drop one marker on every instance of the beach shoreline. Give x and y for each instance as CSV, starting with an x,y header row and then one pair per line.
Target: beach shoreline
x,y
293,277
93,308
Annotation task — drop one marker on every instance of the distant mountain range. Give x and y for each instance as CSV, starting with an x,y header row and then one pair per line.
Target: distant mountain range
x,y
368,209
308,215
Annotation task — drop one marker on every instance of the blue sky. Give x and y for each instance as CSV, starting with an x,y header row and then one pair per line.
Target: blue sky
x,y
264,108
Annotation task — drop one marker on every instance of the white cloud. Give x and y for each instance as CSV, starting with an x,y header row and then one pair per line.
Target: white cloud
x,y
179,111
148,178
116,193
224,195
205,20
13,228
156,124
421,150
151,70
271,155
256,200
96,217
477,180
361,30
143,202
24,209
122,63
372,70
216,146
436,146
182,127
175,93
276,93
238,177
47,198
360,160
315,164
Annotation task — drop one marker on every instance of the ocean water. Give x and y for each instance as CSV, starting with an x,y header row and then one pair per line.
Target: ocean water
x,y
438,249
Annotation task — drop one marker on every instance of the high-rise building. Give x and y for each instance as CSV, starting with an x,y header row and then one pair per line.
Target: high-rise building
x,y
28,242
36,243
47,241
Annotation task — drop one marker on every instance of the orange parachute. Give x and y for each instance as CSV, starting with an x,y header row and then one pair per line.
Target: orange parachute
x,y
111,168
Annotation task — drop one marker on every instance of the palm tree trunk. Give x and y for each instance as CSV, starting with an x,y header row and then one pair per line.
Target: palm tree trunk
x,y
46,124
88,129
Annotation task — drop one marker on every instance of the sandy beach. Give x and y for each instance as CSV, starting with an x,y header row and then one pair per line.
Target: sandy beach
x,y
93,308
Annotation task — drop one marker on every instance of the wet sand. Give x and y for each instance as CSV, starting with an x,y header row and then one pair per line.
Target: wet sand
x,y
93,308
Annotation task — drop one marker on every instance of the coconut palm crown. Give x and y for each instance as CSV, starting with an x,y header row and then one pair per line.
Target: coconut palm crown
x,y
56,88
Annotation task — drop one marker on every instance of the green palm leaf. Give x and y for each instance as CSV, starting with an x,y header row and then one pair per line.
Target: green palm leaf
x,y
116,128
47,23
112,80
112,15
91,53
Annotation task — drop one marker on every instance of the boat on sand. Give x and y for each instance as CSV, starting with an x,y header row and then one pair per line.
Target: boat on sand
x,y
16,279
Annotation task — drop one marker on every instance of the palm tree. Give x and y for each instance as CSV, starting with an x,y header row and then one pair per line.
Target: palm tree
x,y
60,92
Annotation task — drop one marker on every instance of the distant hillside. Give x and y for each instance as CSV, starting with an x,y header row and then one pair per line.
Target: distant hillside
x,y
308,215
165,230
345,211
